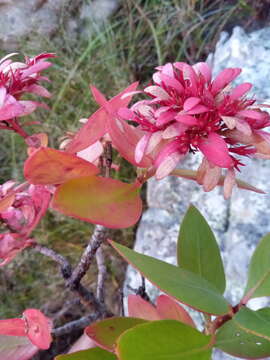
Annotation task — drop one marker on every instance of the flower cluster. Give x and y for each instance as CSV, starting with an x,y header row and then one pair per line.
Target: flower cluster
x,y
17,79
188,111
21,208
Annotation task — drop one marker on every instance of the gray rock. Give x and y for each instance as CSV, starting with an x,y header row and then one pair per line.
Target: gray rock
x,y
239,222
32,19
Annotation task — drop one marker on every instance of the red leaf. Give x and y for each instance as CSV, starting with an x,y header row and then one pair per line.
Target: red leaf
x,y
38,328
142,309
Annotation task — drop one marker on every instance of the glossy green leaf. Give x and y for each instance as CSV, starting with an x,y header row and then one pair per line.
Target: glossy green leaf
x,y
181,284
192,175
247,335
163,340
198,251
105,333
259,270
48,166
91,354
98,200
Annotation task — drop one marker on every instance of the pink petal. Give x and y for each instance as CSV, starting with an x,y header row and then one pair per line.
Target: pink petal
x,y
199,109
126,113
38,90
98,96
141,147
229,183
165,117
155,139
3,93
12,327
167,69
92,152
38,328
224,78
215,150
240,90
11,110
171,82
157,91
170,148
168,164
189,74
244,127
173,130
142,309
211,178
35,68
230,121
253,114
191,102
204,70
187,119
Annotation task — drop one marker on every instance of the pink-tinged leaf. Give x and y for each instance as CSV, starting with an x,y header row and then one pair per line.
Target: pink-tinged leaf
x,y
6,202
98,96
38,328
204,70
10,111
190,103
10,245
12,327
192,175
125,139
168,308
215,150
142,309
83,343
91,132
16,348
105,333
240,90
157,91
96,125
92,152
171,82
98,200
126,113
141,147
186,119
49,166
224,78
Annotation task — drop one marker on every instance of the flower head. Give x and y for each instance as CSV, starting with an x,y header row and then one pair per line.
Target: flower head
x,y
188,111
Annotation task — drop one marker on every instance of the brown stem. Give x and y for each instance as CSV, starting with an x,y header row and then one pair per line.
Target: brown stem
x,y
75,325
99,236
101,275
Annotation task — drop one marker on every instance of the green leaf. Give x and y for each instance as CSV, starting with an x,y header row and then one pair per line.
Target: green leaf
x,y
192,175
259,270
91,354
181,284
105,333
98,200
198,250
48,166
163,340
246,335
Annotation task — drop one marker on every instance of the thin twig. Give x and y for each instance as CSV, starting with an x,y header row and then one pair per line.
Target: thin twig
x,y
99,235
61,260
75,325
101,275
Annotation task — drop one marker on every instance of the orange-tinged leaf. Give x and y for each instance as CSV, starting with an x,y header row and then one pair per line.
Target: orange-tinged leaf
x,y
142,309
192,175
98,200
167,308
49,167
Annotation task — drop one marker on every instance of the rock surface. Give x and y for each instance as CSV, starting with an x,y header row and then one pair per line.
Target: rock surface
x,y
32,19
239,222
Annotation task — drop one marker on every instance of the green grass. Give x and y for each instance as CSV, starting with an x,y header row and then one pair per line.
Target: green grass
x,y
140,36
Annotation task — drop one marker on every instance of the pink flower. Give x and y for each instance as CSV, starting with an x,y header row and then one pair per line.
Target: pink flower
x,y
21,209
189,112
34,325
17,79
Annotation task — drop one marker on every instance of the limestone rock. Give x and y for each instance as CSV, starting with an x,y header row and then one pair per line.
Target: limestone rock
x,y
239,222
